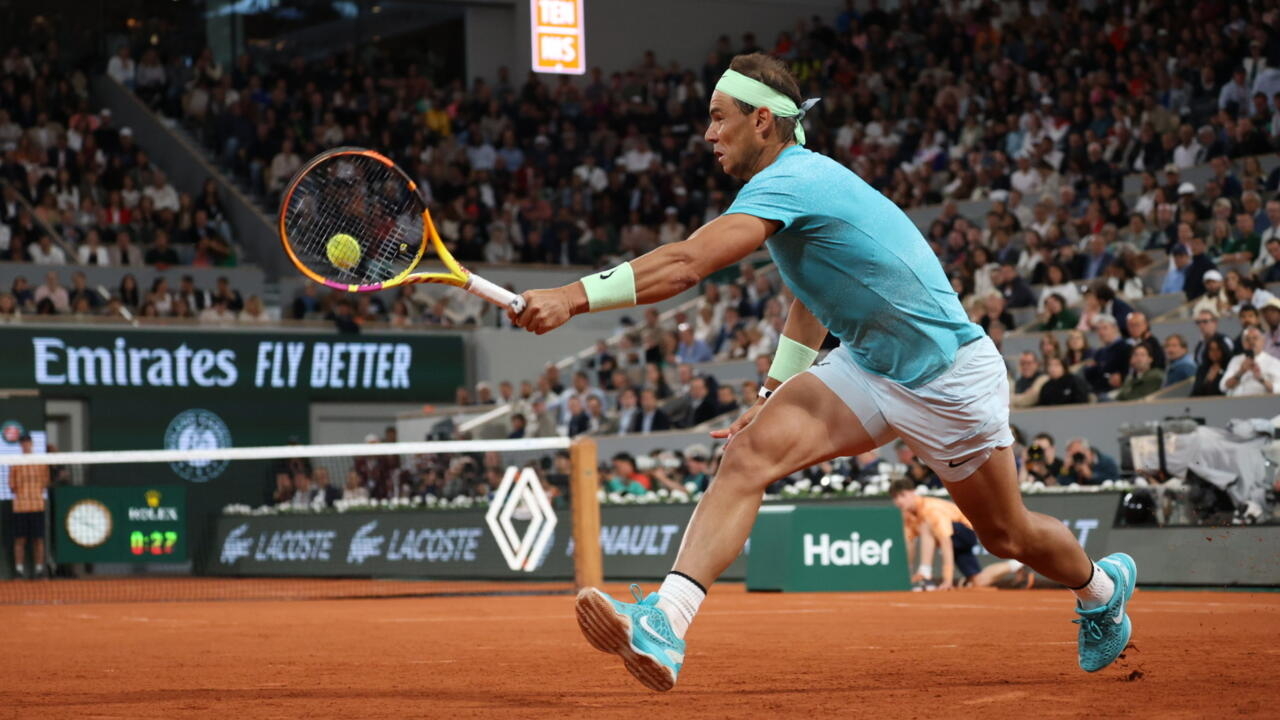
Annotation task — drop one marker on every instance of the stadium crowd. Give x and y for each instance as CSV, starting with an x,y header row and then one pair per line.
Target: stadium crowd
x,y
76,189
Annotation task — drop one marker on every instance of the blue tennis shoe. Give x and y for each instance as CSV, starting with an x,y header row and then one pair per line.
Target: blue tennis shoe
x,y
637,632
1105,630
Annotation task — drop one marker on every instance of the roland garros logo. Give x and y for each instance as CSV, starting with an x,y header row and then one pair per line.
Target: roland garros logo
x,y
197,429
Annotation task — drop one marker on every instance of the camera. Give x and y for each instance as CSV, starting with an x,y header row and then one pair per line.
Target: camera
x,y
1035,453
1248,354
1078,459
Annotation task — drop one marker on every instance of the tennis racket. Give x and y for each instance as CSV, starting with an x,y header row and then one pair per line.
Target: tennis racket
x,y
350,219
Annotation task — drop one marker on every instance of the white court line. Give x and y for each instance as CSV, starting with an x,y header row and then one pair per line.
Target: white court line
x,y
565,616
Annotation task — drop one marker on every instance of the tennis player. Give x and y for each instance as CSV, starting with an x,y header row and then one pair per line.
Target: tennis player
x,y
911,365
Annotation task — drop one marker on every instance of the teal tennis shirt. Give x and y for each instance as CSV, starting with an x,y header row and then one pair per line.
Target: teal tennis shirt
x,y
860,265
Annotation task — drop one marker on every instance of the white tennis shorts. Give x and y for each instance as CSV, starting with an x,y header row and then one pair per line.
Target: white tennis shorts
x,y
953,423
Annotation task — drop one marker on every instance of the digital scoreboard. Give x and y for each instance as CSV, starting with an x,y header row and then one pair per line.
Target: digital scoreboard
x,y
140,523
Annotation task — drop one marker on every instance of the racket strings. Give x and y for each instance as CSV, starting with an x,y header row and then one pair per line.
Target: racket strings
x,y
360,197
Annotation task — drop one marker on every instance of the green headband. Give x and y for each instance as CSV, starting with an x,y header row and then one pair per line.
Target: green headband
x,y
757,94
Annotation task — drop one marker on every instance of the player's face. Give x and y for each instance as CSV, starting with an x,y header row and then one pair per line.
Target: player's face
x,y
732,135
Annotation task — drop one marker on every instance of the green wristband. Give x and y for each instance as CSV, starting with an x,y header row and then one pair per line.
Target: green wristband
x,y
611,289
792,358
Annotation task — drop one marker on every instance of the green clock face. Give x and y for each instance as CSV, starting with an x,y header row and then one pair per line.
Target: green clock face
x,y
89,523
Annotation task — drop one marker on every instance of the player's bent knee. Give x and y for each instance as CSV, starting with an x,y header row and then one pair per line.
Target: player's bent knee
x,y
746,466
1001,540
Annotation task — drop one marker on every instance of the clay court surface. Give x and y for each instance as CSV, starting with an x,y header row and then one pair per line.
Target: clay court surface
x,y
976,654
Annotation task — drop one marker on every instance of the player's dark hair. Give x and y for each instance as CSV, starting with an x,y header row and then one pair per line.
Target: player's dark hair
x,y
901,485
772,72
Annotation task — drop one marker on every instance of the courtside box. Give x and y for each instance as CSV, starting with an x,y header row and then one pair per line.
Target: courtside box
x,y
807,549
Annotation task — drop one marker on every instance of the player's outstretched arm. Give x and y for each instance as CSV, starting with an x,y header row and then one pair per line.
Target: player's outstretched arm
x,y
662,273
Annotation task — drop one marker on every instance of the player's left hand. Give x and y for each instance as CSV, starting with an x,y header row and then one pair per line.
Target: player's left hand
x,y
545,310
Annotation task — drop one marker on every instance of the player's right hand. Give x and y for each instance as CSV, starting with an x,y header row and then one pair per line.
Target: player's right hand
x,y
740,424
545,310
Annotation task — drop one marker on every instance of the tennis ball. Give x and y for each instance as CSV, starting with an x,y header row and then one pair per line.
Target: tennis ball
x,y
343,251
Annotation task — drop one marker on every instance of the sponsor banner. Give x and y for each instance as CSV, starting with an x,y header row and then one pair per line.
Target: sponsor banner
x,y
812,548
638,542
319,364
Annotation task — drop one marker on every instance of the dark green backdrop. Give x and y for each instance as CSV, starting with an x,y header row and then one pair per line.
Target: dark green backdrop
x,y
258,384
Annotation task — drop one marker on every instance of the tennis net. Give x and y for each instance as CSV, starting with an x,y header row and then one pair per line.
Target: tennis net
x,y
300,521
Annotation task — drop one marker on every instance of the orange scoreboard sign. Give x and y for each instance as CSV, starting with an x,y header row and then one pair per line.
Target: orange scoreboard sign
x,y
559,38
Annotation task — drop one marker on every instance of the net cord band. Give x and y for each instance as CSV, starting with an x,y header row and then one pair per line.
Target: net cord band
x,y
791,359
101,457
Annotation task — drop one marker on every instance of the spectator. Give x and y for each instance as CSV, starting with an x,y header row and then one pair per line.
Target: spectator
x,y
1017,293
629,414
1175,280
1207,324
160,296
1098,259
651,417
128,292
1087,466
625,478
93,252
1058,281
696,468
121,67
355,488
1180,364
1143,378
578,421
253,312
217,313
1056,315
994,311
80,292
1101,300
44,252
283,166
702,405
163,195
1110,364
1140,334
1251,293
1272,272
1271,333
29,485
1200,264
1209,374
1077,352
223,289
161,254
1062,387
1042,463
691,349
1214,298
518,427
1026,388
1253,371
52,292
124,252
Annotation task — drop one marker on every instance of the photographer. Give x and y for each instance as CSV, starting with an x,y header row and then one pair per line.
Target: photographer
x,y
1086,466
1042,463
1252,372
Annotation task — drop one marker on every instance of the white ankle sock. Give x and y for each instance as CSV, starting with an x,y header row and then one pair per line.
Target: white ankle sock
x,y
679,597
1098,591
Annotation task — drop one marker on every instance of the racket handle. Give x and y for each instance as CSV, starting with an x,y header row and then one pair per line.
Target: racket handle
x,y
495,294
